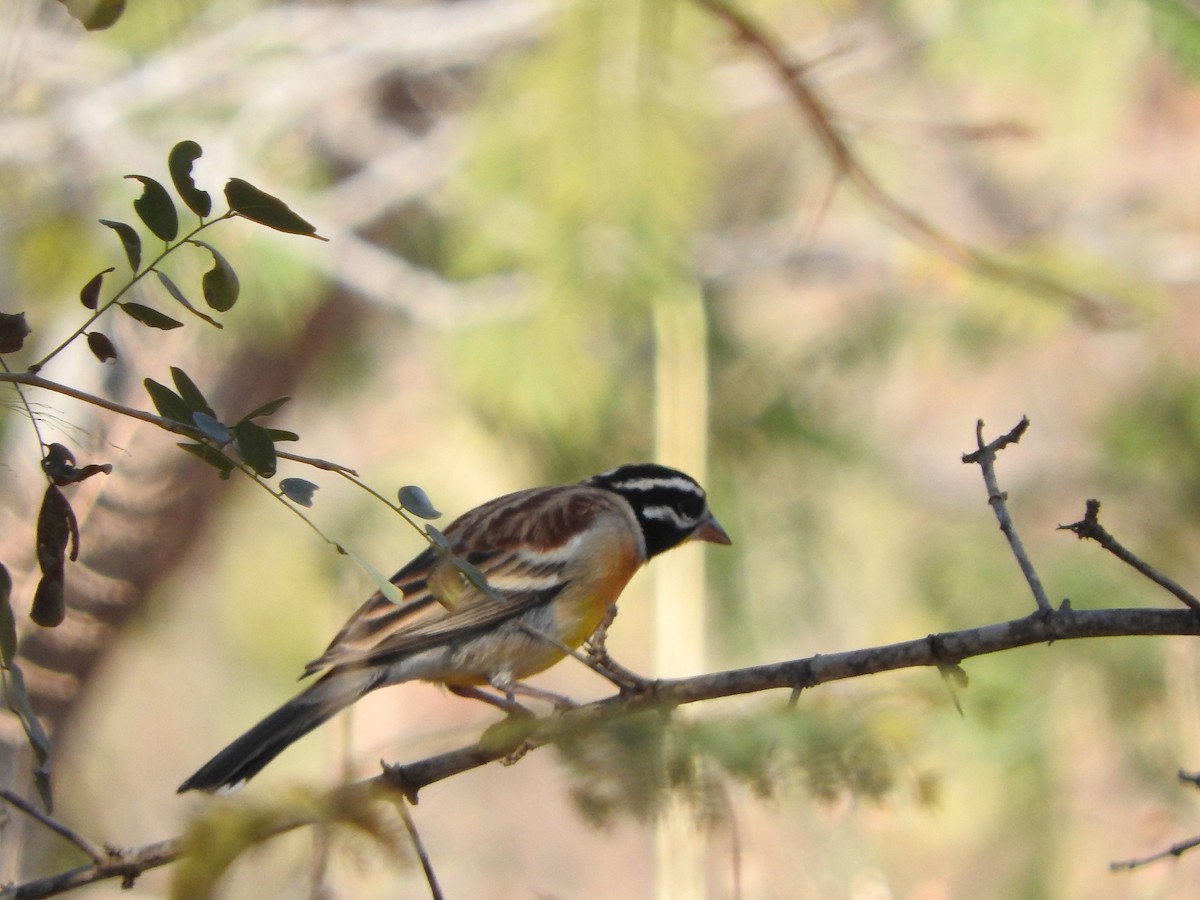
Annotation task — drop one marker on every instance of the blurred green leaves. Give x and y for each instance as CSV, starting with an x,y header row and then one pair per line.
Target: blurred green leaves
x,y
95,15
632,765
229,829
1176,27
588,175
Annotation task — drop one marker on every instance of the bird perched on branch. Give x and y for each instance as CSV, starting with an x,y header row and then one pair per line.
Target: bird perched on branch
x,y
555,559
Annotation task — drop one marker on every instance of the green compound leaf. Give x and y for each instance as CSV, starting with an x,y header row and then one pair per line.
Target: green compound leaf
x,y
100,345
22,708
150,317
13,331
129,240
155,208
416,501
182,300
258,206
383,584
189,393
211,428
89,294
179,162
95,15
8,621
256,447
211,456
267,409
220,283
168,403
298,490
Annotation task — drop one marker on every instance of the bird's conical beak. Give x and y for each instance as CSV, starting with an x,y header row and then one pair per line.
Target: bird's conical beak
x,y
710,530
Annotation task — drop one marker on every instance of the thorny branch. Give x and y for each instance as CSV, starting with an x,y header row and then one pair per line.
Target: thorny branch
x,y
985,457
1176,850
502,741
511,738
1089,527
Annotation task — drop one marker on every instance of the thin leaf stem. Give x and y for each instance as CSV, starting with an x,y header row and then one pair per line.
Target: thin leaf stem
x,y
102,308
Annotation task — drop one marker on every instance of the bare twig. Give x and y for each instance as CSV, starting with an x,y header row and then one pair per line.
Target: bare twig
x,y
626,680
985,458
936,651
410,826
1175,850
905,220
1089,527
126,865
95,851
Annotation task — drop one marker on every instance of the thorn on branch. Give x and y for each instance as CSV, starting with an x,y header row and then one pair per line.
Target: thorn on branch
x,y
396,777
1176,850
990,450
985,457
1192,778
1089,528
804,678
954,676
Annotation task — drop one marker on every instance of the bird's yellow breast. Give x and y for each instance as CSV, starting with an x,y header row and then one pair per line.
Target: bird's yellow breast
x,y
596,579
596,572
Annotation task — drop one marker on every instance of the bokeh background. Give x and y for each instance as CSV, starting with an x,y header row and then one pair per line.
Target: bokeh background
x,y
568,235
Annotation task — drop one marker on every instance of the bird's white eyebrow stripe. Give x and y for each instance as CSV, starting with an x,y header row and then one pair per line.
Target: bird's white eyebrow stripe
x,y
666,512
652,484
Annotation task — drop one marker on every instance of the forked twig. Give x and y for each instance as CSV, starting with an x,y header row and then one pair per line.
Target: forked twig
x,y
985,458
1089,527
1175,850
414,835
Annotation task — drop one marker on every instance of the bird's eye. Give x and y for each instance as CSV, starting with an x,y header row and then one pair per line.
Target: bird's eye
x,y
691,506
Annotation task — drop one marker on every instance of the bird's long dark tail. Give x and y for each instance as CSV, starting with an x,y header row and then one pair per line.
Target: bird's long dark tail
x,y
245,757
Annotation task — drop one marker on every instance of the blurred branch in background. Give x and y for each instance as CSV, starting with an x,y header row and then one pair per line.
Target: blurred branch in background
x,y
848,165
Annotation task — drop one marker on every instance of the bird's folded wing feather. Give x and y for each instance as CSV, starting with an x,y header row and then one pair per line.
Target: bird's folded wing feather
x,y
382,629
525,565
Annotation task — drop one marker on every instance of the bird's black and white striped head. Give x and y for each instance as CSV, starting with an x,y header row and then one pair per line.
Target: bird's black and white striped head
x,y
669,505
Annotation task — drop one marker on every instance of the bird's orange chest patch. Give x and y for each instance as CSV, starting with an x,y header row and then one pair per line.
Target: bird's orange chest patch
x,y
602,570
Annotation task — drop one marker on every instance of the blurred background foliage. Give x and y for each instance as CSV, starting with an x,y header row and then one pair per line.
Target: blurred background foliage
x,y
510,188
